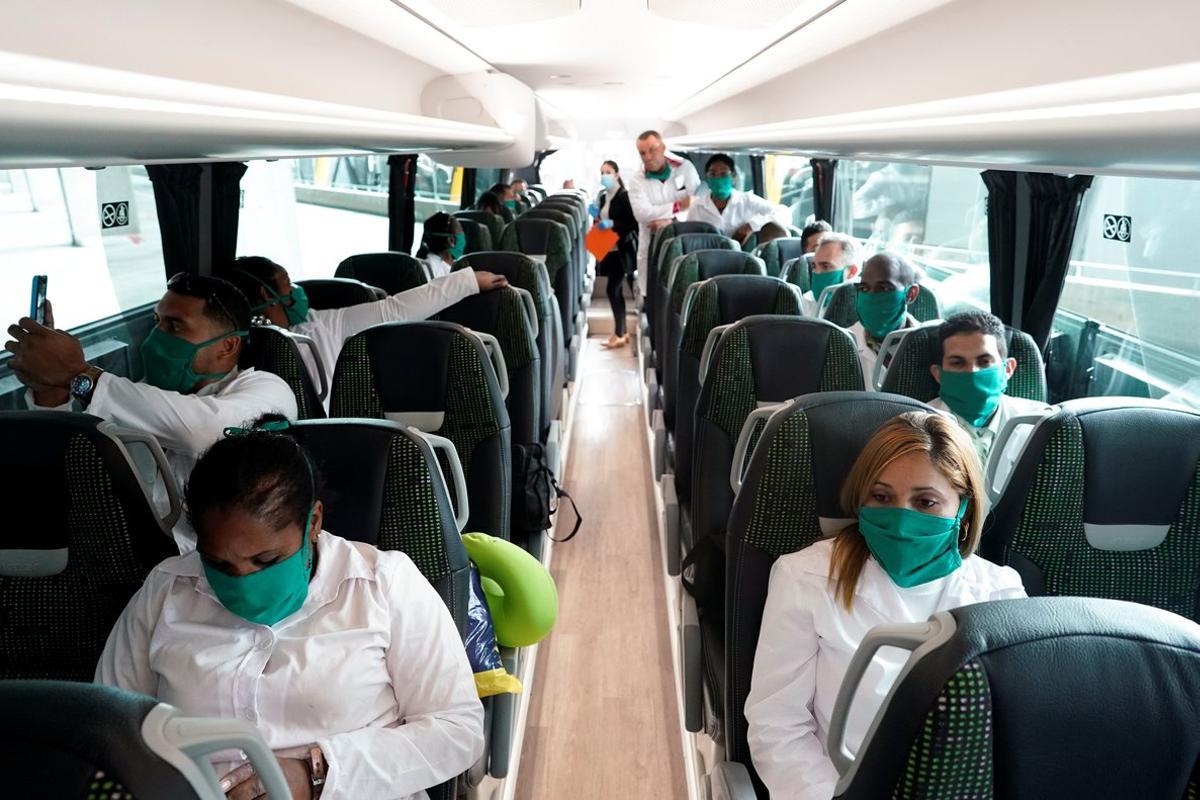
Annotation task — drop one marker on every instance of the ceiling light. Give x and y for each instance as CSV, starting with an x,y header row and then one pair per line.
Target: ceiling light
x,y
559,77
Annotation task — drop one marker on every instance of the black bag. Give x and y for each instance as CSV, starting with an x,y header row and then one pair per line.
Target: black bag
x,y
533,484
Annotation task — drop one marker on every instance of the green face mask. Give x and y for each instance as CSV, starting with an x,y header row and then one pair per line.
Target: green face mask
x,y
458,246
881,312
271,594
511,205
912,548
662,174
167,361
295,306
823,280
721,187
974,396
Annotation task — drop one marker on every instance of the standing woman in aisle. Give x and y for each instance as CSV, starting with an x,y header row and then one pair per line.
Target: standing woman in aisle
x,y
615,213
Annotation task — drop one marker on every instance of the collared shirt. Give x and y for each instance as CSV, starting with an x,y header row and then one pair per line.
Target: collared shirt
x,y
330,328
653,199
435,267
984,436
742,208
868,348
186,424
371,668
804,648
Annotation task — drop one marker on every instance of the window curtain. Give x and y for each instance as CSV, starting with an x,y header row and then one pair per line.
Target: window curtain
x,y
402,188
226,210
823,171
468,189
193,241
1033,246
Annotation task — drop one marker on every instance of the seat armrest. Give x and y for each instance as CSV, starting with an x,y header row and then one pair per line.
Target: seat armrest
x,y
730,780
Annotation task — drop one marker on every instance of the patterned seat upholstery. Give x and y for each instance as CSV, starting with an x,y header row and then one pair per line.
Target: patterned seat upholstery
x,y
525,273
777,252
658,240
392,272
788,500
574,273
79,540
672,251
696,266
909,374
840,311
277,351
493,223
1105,502
549,242
798,272
437,377
477,235
1071,679
576,207
326,293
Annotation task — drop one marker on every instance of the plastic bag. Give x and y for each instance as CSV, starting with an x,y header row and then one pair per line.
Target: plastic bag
x,y
482,651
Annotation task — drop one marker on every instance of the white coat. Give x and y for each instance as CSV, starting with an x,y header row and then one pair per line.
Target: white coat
x,y
742,208
805,645
371,668
653,200
867,356
984,436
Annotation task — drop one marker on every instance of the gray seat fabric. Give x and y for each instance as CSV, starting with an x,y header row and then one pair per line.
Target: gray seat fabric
x,y
840,311
492,222
273,350
1105,502
1042,697
670,252
79,740
574,269
477,235
78,501
525,273
658,240
798,272
777,252
324,293
909,374
793,480
391,272
408,370
550,242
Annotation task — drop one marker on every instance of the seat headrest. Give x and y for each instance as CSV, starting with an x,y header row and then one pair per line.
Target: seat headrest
x,y
740,296
789,248
326,293
691,242
503,314
392,272
521,271
726,262
1027,697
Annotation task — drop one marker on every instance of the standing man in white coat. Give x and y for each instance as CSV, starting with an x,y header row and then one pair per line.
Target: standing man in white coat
x,y
731,211
658,192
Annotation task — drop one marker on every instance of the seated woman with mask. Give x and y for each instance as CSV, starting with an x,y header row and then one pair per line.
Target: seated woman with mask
x,y
442,243
916,491
344,656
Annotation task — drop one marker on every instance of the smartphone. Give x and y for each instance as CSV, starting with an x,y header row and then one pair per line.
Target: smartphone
x,y
37,299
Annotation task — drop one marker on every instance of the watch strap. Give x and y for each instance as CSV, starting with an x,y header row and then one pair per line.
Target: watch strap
x,y
317,770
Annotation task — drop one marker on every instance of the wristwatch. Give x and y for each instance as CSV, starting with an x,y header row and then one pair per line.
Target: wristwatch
x,y
317,769
84,384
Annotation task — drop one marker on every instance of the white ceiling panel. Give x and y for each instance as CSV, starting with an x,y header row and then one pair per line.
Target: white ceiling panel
x,y
477,13
722,13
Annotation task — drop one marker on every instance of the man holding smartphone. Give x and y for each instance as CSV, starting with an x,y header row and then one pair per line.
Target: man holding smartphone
x,y
658,192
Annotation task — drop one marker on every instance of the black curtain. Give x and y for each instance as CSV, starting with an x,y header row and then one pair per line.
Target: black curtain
x,y
1053,213
402,187
823,170
468,188
177,197
756,176
177,201
226,208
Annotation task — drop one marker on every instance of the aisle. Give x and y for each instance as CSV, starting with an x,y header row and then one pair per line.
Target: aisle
x,y
603,721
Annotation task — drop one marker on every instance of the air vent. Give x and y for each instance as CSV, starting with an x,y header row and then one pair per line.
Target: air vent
x,y
749,14
479,13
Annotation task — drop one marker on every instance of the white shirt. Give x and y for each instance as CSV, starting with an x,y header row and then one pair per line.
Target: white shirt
x,y
330,328
371,668
868,356
806,643
653,200
742,208
435,267
186,424
985,436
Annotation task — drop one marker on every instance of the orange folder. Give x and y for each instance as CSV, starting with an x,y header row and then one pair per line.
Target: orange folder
x,y
600,242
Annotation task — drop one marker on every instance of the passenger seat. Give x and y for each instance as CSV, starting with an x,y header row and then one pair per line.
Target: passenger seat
x,y
324,293
391,272
908,374
840,310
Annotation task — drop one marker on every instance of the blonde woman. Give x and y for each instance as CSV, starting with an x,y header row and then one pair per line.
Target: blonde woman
x,y
916,492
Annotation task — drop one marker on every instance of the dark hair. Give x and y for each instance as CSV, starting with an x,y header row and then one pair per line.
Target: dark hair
x,y
489,201
770,232
812,228
972,322
250,273
224,303
616,171
720,158
439,232
263,473
500,188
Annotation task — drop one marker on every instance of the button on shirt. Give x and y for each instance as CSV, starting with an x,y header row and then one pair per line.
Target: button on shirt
x,y
330,328
186,424
371,668
742,208
805,645
652,199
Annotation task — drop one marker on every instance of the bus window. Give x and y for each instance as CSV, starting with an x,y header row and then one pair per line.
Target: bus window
x,y
1134,272
439,188
310,213
937,216
93,232
788,182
